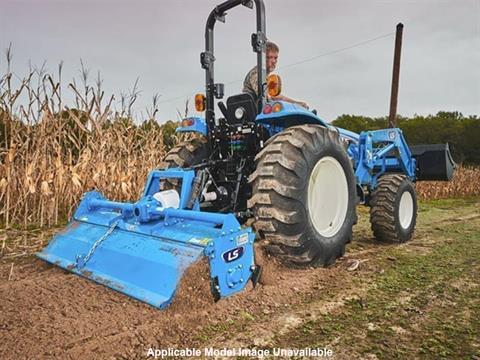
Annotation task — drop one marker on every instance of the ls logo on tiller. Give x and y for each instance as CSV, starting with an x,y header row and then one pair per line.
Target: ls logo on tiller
x,y
232,255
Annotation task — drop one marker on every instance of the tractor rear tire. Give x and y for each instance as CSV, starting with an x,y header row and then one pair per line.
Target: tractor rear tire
x,y
393,211
187,153
304,198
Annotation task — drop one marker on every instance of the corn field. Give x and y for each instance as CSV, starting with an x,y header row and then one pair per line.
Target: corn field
x,y
41,181
466,182
50,154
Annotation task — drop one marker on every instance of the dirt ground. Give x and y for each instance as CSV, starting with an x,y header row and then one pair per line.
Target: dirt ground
x,y
46,312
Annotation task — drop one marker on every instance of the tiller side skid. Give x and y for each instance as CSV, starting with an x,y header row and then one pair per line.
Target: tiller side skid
x,y
142,249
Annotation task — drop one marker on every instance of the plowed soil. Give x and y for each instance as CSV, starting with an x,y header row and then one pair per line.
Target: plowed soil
x,y
46,312
45,307
56,313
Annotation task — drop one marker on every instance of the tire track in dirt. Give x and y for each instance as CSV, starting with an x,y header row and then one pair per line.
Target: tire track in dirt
x,y
332,289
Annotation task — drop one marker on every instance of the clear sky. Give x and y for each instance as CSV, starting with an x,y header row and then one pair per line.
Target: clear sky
x,y
160,41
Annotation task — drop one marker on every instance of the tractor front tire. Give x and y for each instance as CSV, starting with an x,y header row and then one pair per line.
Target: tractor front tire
x,y
304,198
393,209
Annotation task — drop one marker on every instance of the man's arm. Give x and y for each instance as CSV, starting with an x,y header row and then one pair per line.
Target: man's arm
x,y
290,100
250,83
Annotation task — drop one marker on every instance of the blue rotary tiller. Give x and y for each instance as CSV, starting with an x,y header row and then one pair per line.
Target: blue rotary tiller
x,y
142,249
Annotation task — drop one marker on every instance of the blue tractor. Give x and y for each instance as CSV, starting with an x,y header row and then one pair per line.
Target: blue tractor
x,y
296,178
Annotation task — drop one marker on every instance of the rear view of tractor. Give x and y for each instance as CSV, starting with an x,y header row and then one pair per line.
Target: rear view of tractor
x,y
297,177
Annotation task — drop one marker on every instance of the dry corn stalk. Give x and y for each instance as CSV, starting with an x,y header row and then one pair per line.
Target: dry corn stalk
x,y
465,183
51,154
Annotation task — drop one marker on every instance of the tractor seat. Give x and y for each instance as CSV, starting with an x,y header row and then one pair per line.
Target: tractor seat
x,y
240,109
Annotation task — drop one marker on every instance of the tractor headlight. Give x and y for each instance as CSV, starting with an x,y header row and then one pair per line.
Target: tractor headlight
x,y
239,113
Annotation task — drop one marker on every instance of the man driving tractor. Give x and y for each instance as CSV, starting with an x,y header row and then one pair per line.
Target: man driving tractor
x,y
250,82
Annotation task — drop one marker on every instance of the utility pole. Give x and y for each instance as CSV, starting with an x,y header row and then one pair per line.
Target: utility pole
x,y
392,119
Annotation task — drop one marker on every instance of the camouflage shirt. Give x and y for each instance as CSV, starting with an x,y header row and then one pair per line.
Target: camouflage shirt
x,y
250,83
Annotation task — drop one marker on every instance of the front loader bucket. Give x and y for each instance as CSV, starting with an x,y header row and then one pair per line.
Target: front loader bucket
x,y
434,162
142,249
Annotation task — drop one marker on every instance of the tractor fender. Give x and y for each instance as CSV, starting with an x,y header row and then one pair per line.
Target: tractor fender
x,y
193,124
279,115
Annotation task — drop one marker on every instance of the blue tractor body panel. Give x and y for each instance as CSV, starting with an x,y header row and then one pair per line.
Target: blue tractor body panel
x,y
348,135
373,153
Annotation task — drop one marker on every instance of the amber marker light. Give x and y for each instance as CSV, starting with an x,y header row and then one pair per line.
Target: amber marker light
x,y
274,85
200,102
277,107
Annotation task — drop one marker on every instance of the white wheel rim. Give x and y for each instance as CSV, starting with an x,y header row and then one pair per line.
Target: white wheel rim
x,y
327,196
405,211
